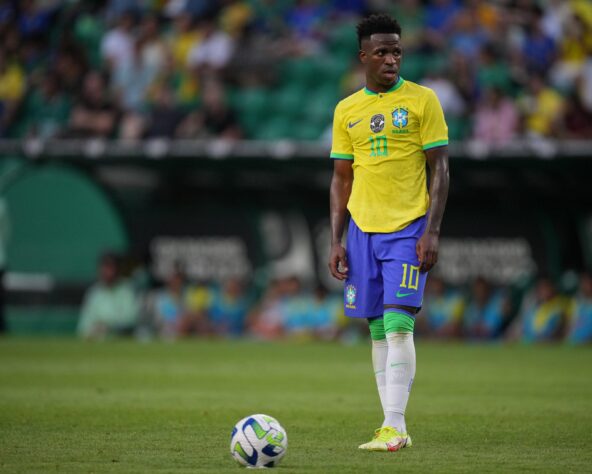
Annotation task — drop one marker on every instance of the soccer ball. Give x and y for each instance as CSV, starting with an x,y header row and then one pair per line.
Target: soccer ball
x,y
258,441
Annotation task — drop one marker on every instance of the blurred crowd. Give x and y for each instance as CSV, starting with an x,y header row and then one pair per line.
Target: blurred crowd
x,y
540,312
136,69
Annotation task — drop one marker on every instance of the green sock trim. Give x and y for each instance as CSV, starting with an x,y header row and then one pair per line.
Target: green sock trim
x,y
376,326
398,322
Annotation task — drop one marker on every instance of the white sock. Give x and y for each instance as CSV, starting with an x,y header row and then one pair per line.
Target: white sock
x,y
400,370
379,356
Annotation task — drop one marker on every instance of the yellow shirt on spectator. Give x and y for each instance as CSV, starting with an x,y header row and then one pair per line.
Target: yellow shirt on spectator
x,y
12,83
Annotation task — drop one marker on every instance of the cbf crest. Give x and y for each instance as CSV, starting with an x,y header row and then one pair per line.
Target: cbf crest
x,y
400,117
350,296
377,123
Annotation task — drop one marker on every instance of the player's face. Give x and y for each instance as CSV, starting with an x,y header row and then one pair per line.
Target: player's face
x,y
381,55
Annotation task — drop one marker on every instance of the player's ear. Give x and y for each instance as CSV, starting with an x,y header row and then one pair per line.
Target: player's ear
x,y
362,56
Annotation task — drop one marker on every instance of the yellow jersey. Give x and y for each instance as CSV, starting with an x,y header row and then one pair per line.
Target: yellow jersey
x,y
386,134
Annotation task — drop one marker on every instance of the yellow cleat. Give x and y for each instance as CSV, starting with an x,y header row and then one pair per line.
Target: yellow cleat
x,y
387,439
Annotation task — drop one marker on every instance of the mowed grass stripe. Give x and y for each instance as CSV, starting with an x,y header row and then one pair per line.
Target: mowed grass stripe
x,y
125,407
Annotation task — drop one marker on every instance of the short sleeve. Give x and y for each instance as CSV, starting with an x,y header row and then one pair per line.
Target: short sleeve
x,y
341,148
433,129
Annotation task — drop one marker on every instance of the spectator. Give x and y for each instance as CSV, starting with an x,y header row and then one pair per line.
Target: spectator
x,y
154,51
487,311
493,72
132,79
538,49
575,48
117,46
214,50
214,119
265,321
439,18
323,314
448,95
71,68
543,108
94,114
467,36
110,306
496,119
183,38
170,305
229,307
34,19
46,109
542,315
580,322
441,315
577,120
164,115
12,88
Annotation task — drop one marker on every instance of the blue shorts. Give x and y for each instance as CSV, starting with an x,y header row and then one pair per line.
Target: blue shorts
x,y
383,270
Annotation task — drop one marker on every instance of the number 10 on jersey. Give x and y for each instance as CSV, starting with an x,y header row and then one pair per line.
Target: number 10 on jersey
x,y
378,146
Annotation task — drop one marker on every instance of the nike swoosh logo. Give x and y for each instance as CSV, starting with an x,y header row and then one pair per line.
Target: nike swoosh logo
x,y
401,295
400,363
351,125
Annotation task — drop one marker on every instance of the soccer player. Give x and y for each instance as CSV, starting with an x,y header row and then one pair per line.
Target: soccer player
x,y
383,135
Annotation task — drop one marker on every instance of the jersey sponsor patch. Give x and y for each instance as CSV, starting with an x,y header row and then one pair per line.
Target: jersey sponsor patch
x,y
377,123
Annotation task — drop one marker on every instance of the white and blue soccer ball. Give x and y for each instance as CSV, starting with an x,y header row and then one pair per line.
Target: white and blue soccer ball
x,y
258,441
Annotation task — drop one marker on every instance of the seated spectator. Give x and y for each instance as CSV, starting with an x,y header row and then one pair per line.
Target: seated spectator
x,y
215,119
265,321
12,88
46,109
441,315
542,315
467,36
539,50
496,119
170,305
228,309
35,19
450,99
487,311
117,44
543,108
132,79
579,330
324,313
110,306
213,52
577,120
494,72
94,114
164,115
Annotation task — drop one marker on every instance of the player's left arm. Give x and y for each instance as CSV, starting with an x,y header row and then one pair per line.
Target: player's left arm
x,y
427,245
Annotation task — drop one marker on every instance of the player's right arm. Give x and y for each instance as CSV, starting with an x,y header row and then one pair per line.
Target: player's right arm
x,y
342,154
341,185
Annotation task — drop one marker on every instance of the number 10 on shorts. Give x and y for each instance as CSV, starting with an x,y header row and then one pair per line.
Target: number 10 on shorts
x,y
413,281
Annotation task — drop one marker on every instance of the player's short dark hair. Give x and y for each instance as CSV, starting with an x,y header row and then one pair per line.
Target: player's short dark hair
x,y
377,23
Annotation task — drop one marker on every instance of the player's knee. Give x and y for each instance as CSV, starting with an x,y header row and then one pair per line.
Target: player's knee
x,y
398,320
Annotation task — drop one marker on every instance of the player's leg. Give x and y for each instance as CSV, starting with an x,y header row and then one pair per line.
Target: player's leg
x,y
363,297
403,294
379,356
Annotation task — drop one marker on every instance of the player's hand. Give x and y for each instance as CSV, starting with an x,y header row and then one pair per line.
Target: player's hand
x,y
338,262
427,251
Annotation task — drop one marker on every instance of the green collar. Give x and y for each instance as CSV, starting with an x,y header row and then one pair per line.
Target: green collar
x,y
396,86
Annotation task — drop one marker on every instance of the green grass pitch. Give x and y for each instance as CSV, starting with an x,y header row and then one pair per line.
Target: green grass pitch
x,y
123,407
